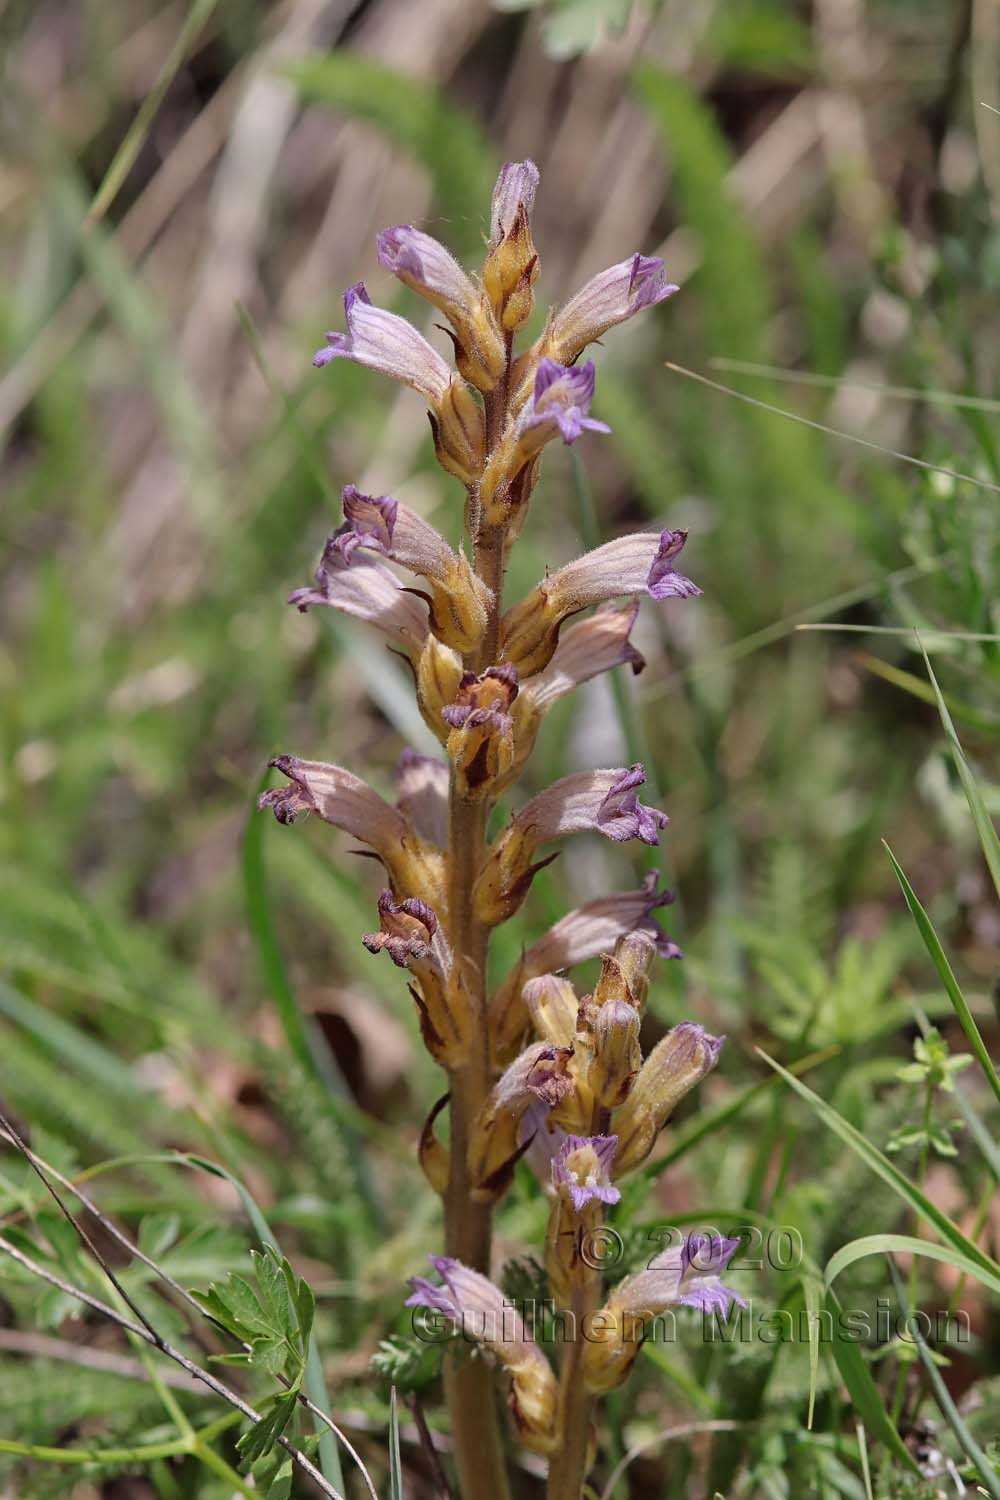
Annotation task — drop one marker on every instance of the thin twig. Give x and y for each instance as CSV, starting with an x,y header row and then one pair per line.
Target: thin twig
x,y
42,1167
669,1435
105,1361
195,1371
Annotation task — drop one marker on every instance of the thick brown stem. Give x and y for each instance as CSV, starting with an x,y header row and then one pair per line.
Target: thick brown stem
x,y
470,1387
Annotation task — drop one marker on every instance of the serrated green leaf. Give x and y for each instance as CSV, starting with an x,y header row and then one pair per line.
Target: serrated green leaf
x,y
264,1434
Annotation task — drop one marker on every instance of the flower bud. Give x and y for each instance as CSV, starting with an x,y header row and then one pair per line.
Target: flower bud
x,y
459,434
676,1065
439,673
552,1005
512,264
616,1056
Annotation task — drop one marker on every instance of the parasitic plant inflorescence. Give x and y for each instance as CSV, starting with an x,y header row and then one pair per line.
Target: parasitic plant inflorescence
x,y
531,1066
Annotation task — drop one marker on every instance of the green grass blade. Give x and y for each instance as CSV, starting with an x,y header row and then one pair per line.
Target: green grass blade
x,y
883,1167
124,158
395,1462
988,837
863,1391
947,977
84,1056
908,1244
942,1396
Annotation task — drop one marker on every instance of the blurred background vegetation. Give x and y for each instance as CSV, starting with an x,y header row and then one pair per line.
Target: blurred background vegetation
x,y
184,195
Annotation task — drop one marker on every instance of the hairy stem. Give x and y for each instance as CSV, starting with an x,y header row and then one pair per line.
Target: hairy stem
x,y
569,1464
469,1385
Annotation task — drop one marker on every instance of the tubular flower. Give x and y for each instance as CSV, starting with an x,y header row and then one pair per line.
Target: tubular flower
x,y
676,1065
611,297
369,592
481,742
581,1181
539,1076
512,264
642,563
688,1275
409,932
458,599
422,784
340,798
423,264
581,934
482,1315
588,801
385,342
559,407
595,645
581,1170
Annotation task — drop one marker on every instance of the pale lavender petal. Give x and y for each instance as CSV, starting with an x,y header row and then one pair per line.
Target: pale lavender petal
x,y
385,342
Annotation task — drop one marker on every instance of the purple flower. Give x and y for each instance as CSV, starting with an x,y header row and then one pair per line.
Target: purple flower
x,y
685,1276
424,264
383,341
582,1167
622,816
608,298
561,401
641,563
587,801
369,592
378,523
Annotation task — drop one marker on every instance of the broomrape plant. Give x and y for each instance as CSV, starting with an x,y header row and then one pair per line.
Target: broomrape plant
x,y
531,1067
